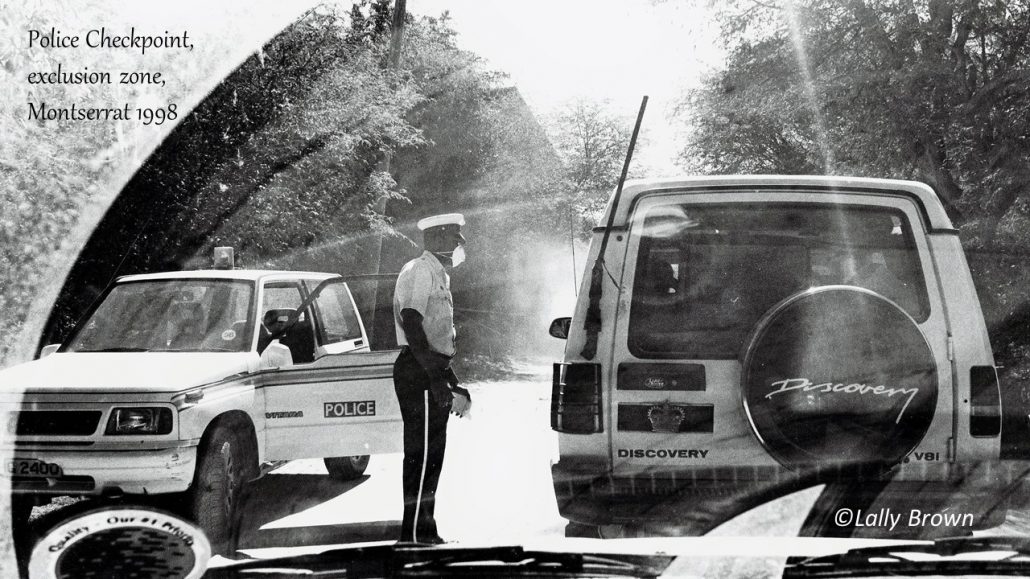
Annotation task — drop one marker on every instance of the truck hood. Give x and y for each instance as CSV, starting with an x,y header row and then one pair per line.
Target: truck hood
x,y
145,372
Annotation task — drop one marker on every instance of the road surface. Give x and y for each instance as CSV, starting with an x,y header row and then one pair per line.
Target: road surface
x,y
495,487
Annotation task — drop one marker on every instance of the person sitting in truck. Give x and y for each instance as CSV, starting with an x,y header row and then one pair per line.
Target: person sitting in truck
x,y
275,354
657,283
868,269
183,326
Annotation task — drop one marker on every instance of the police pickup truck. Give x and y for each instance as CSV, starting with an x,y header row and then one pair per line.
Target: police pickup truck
x,y
189,384
745,330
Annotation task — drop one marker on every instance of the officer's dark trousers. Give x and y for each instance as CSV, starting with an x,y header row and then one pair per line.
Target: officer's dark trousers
x,y
425,438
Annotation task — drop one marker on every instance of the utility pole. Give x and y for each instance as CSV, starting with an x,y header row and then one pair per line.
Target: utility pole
x,y
397,33
382,325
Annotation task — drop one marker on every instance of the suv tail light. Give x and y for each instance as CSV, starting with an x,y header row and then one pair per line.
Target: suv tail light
x,y
985,398
576,399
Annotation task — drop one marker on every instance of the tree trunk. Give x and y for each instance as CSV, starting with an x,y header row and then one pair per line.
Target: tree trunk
x,y
933,167
1003,201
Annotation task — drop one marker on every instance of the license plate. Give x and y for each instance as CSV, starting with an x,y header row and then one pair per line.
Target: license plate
x,y
30,467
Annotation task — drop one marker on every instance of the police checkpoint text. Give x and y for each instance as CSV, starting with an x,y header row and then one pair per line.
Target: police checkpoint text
x,y
886,518
44,109
42,112
103,38
87,76
73,112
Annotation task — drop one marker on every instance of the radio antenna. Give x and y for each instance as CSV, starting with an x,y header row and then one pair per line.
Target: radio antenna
x,y
592,323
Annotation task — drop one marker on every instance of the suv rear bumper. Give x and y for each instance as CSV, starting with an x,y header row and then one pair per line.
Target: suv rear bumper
x,y
587,492
698,500
108,472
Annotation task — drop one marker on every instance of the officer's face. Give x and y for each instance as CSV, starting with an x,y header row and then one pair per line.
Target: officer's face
x,y
455,239
444,241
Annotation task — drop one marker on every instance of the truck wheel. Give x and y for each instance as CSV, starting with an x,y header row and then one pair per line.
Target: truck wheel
x,y
346,467
838,376
573,529
214,498
612,531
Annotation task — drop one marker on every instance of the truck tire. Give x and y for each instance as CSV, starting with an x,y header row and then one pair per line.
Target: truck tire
x,y
838,376
581,530
214,499
346,467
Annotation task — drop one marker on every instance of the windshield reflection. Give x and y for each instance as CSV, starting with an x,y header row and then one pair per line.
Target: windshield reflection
x,y
170,316
848,363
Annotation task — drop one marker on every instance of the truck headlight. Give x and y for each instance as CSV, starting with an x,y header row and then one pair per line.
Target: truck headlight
x,y
140,421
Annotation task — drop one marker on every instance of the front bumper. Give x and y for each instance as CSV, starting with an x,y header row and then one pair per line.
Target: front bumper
x,y
109,472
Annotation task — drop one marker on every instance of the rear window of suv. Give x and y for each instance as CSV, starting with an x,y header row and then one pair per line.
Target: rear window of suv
x,y
706,273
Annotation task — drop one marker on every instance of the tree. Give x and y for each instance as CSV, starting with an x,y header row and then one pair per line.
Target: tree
x,y
933,90
487,157
591,142
57,177
281,158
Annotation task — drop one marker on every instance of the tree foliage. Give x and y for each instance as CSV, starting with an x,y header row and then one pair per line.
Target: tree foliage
x,y
57,177
487,157
933,90
290,158
281,157
591,142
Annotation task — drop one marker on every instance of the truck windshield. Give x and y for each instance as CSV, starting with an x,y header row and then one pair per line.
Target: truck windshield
x,y
180,315
705,274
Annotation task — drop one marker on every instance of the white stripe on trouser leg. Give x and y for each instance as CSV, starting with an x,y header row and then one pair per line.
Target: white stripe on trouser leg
x,y
425,458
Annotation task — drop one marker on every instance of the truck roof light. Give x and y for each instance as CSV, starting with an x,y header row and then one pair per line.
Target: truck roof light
x,y
224,258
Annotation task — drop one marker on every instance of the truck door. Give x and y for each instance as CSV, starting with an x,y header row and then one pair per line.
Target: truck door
x,y
342,402
338,323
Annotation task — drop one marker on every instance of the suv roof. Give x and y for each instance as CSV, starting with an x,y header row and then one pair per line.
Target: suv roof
x,y
240,274
930,205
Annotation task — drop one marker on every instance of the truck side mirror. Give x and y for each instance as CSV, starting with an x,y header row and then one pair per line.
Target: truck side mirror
x,y
48,349
560,328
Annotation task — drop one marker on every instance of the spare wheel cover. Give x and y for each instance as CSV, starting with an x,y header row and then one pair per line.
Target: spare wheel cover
x,y
838,375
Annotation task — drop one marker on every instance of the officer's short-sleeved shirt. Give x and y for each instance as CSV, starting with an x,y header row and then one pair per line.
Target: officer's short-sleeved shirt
x,y
424,286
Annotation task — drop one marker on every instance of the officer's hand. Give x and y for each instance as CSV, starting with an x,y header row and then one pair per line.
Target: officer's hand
x,y
440,393
461,404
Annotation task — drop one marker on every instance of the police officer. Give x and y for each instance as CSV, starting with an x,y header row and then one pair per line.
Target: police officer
x,y
426,387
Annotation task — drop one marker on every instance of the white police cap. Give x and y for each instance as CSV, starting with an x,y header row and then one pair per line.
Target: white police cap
x,y
441,220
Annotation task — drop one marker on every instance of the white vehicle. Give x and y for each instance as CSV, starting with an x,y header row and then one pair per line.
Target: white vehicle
x,y
751,329
163,390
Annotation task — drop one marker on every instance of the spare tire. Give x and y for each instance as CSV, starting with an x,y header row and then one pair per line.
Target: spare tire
x,y
836,376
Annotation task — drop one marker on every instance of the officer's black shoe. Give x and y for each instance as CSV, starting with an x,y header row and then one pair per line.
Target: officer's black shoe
x,y
422,539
